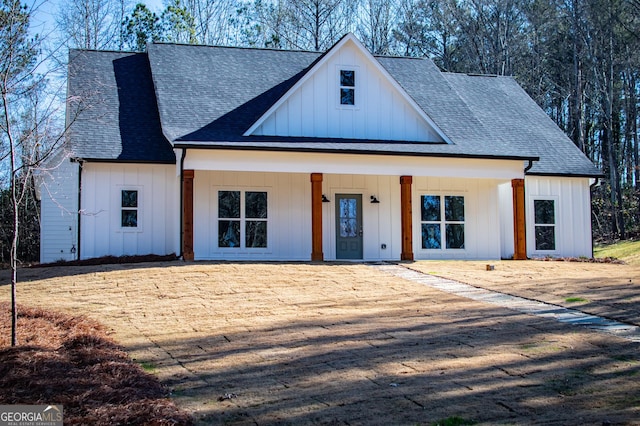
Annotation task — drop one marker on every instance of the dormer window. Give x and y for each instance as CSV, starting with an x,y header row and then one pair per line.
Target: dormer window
x,y
347,87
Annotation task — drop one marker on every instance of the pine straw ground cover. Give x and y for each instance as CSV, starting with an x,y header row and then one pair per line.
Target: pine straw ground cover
x,y
70,360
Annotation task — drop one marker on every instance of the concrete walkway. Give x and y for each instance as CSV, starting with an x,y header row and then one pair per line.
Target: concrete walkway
x,y
519,304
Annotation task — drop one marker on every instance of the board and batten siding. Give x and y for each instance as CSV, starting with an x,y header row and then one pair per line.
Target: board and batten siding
x,y
58,210
289,211
288,214
481,212
380,112
369,175
380,221
572,198
158,212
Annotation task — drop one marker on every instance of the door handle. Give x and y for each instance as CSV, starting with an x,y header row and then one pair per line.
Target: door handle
x,y
360,232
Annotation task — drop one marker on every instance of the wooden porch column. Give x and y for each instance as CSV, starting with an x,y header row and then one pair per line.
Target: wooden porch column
x,y
316,217
187,215
519,223
406,218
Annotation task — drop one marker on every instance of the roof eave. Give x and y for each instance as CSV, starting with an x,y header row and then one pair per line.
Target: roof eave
x,y
569,175
121,161
216,146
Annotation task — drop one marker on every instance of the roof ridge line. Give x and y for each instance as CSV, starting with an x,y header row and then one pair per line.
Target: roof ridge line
x,y
214,46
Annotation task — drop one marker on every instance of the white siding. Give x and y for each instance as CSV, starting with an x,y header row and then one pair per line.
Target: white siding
x,y
158,212
573,214
381,111
289,226
389,165
369,175
59,211
482,217
380,222
289,214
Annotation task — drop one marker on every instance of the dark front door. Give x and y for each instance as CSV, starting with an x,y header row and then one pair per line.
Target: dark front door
x,y
348,226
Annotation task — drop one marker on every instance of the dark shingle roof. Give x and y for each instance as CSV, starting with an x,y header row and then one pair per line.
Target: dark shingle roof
x,y
209,96
197,109
502,105
112,109
217,93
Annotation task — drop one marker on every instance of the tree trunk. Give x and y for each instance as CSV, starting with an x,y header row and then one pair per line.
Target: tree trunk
x,y
577,113
614,177
13,256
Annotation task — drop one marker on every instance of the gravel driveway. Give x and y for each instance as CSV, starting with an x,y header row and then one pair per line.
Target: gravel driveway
x,y
247,343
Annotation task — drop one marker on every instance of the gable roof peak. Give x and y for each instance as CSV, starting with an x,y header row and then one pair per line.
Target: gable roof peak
x,y
368,57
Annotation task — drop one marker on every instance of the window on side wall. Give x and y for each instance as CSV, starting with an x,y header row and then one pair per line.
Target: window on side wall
x,y
544,213
242,219
442,222
129,208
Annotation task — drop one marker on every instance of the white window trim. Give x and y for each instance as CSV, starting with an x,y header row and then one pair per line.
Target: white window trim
x,y
531,210
442,222
140,208
242,248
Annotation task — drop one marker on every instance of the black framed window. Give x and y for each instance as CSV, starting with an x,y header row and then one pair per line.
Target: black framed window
x,y
229,219
255,208
242,219
544,213
347,87
442,222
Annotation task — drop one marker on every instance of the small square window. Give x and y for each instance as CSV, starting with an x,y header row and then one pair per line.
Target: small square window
x,y
347,96
129,198
228,233
454,208
347,78
255,205
545,238
431,236
129,219
430,208
229,204
455,235
544,212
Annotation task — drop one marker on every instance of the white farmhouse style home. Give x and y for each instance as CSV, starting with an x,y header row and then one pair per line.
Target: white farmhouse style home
x,y
256,154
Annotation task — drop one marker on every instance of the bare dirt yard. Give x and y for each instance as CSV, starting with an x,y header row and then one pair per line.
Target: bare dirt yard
x,y
604,289
247,343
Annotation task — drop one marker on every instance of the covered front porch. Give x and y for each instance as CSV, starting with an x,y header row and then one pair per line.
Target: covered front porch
x,y
246,205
